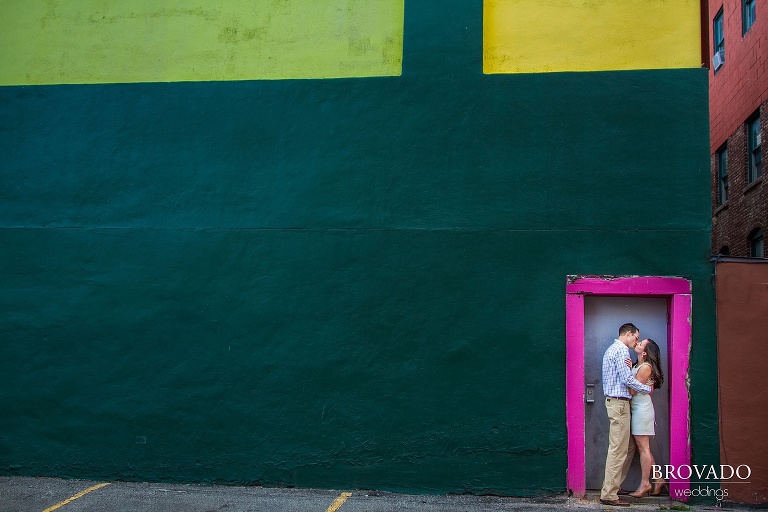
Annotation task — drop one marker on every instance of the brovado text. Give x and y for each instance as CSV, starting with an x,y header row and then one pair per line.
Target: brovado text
x,y
701,472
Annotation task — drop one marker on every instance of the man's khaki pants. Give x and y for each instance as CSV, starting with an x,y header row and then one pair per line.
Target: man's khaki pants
x,y
621,448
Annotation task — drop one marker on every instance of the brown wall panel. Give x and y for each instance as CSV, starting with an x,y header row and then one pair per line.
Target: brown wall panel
x,y
742,306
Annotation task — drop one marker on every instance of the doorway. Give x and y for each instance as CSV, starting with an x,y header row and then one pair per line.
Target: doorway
x,y
602,318
595,308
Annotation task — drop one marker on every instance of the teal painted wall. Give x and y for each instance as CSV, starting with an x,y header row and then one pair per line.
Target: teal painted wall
x,y
353,283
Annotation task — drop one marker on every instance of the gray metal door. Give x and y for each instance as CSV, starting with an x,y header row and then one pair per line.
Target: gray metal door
x,y
602,318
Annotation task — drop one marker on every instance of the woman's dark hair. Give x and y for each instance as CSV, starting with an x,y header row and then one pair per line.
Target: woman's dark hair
x,y
653,356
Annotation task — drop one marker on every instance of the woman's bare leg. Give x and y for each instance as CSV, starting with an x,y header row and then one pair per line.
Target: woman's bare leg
x,y
646,462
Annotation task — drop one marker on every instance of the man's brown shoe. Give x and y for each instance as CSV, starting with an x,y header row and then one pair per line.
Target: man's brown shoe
x,y
623,492
615,503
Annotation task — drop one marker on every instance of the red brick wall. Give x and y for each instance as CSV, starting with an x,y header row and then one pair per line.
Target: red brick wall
x,y
747,205
736,91
741,85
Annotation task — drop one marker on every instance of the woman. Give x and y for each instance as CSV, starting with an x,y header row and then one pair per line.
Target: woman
x,y
648,371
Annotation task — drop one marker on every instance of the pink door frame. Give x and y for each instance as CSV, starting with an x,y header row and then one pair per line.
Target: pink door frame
x,y
678,292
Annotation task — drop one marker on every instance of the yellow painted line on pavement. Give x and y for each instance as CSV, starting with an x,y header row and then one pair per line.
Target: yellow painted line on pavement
x,y
76,496
337,503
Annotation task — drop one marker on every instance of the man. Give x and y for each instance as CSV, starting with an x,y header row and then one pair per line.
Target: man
x,y
617,379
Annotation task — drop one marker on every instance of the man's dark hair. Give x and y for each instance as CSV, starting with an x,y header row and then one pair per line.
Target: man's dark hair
x,y
627,328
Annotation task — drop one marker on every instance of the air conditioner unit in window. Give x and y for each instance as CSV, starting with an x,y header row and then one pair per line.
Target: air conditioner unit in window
x,y
718,59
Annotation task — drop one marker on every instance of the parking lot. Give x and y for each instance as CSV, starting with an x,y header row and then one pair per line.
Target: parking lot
x,y
25,494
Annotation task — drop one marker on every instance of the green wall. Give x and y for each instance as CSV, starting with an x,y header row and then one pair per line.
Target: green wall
x,y
352,283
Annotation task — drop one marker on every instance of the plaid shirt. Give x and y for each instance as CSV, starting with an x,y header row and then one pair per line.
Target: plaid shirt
x,y
616,375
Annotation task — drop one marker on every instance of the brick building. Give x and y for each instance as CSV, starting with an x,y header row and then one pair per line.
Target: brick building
x,y
738,103
738,90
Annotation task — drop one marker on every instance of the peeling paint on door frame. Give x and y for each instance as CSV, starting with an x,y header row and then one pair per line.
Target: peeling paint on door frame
x,y
678,292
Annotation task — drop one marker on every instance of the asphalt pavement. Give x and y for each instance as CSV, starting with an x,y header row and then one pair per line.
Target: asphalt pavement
x,y
27,494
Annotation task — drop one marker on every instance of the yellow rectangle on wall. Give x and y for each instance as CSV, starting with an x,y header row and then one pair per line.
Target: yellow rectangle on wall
x,y
535,36
107,41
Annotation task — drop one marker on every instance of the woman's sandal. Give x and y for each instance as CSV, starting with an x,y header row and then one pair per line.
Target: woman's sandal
x,y
658,487
645,492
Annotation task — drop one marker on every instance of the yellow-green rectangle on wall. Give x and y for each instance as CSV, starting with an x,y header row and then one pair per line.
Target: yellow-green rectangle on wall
x,y
111,41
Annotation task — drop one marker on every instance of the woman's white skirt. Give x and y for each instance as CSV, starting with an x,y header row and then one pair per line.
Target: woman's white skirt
x,y
643,415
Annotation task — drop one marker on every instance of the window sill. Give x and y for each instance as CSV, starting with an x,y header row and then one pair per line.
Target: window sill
x,y
720,208
754,184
